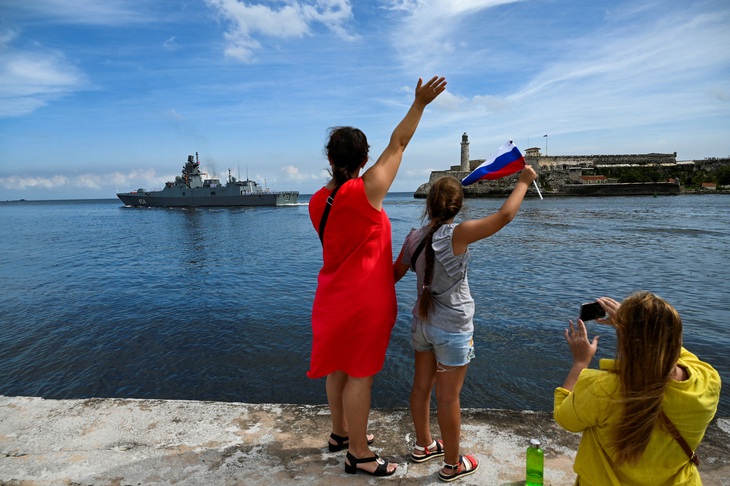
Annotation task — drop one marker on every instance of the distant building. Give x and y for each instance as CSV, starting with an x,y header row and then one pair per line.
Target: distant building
x,y
533,152
593,179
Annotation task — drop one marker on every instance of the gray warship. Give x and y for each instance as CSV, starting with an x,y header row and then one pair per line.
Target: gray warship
x,y
191,190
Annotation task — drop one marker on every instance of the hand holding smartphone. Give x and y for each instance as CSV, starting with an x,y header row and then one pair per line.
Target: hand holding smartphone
x,y
591,311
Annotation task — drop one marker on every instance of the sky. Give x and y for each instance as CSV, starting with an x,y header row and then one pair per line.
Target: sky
x,y
99,97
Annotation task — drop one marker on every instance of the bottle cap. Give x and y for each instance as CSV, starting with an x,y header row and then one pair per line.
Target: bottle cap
x,y
535,443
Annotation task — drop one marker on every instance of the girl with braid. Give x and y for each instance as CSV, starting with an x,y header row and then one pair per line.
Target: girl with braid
x,y
442,325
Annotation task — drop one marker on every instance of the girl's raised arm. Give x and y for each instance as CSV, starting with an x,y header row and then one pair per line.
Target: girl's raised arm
x,y
477,229
380,176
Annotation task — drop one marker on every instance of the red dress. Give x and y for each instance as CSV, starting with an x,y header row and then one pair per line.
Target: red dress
x,y
354,307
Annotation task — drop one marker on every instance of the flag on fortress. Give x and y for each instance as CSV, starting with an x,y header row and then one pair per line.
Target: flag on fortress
x,y
506,161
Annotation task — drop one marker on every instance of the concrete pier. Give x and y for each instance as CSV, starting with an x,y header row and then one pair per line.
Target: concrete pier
x,y
161,442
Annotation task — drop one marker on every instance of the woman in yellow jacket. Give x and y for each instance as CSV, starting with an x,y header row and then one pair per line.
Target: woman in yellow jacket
x,y
643,414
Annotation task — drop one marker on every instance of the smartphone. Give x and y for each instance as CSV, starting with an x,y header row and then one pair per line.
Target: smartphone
x,y
590,311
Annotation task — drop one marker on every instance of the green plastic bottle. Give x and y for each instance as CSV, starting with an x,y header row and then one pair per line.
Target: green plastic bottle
x,y
535,464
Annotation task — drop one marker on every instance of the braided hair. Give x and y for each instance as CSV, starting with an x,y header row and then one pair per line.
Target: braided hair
x,y
347,150
443,202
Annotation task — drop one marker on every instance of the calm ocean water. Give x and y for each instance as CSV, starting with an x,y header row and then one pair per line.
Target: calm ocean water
x,y
99,300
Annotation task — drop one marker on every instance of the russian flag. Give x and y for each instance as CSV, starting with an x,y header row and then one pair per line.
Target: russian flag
x,y
506,161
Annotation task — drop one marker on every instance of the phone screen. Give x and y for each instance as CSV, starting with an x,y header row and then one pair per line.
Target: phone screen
x,y
590,311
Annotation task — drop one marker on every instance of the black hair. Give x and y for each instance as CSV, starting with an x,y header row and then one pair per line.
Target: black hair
x,y
347,149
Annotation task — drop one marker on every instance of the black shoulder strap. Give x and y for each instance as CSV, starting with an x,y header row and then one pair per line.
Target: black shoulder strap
x,y
417,252
326,213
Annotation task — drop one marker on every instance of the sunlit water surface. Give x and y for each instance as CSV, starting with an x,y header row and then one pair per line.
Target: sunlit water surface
x,y
99,300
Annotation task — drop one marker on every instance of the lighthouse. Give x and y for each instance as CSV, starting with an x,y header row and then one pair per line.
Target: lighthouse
x,y
465,153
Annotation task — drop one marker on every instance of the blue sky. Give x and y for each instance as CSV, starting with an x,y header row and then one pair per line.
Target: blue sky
x,y
104,96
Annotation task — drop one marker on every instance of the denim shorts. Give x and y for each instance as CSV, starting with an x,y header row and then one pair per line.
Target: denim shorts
x,y
450,348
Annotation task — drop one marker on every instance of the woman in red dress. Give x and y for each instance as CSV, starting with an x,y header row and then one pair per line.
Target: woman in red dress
x,y
354,307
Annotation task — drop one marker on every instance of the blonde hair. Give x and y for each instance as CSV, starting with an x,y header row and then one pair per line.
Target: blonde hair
x,y
649,341
444,201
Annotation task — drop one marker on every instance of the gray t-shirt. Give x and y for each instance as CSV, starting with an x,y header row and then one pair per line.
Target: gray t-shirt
x,y
453,308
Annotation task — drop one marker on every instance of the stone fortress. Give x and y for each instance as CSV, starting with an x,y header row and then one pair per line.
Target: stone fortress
x,y
576,175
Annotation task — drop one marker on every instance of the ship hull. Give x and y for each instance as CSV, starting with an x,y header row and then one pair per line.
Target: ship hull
x,y
203,199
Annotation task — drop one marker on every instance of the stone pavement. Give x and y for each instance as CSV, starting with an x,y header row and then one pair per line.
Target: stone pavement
x,y
161,442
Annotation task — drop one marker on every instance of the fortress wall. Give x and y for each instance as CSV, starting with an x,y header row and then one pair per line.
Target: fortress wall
x,y
560,174
438,174
563,161
711,164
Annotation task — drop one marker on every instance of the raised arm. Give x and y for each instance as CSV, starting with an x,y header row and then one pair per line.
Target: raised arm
x,y
583,351
380,176
477,229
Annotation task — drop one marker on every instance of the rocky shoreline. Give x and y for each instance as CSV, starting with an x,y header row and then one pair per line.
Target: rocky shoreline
x,y
504,187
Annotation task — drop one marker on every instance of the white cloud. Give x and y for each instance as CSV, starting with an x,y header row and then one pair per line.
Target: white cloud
x,y
20,182
434,9
429,32
292,173
171,44
147,178
644,74
6,38
132,180
291,20
31,78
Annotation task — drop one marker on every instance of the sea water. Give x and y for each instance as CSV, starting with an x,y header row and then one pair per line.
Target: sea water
x,y
101,300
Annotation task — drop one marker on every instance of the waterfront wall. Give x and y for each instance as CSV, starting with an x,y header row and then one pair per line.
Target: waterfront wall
x,y
503,187
111,441
629,189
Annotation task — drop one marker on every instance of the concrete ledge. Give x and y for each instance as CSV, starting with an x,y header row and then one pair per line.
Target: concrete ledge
x,y
156,442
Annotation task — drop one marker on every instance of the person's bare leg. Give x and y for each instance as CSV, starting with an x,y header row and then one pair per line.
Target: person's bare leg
x,y
423,381
448,389
356,401
335,385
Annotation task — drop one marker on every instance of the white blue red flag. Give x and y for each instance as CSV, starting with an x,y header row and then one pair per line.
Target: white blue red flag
x,y
506,161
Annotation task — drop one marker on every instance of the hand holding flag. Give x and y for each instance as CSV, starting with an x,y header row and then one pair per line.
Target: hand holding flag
x,y
506,161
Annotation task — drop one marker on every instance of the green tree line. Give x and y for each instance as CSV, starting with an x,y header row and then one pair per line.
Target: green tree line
x,y
687,175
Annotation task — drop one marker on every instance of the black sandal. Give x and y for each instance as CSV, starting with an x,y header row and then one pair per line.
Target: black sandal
x,y
382,469
342,442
